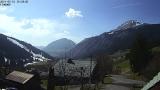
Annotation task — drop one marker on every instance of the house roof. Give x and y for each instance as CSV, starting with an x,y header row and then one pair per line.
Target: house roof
x,y
19,77
155,80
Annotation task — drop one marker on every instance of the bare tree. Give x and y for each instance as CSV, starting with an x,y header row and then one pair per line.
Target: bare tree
x,y
51,81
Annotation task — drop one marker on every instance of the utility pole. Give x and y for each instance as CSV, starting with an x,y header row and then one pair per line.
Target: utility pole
x,y
65,54
90,77
82,71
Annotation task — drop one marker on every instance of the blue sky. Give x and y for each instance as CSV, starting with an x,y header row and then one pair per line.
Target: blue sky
x,y
40,22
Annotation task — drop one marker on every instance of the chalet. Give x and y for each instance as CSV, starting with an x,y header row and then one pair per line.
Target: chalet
x,y
22,81
154,84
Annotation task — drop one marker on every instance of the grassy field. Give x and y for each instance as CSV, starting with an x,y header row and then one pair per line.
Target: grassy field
x,y
108,80
125,66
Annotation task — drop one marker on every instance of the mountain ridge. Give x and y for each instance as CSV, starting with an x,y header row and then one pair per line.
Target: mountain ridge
x,y
16,52
108,42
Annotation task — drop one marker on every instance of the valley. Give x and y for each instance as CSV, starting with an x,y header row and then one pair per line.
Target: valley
x,y
122,59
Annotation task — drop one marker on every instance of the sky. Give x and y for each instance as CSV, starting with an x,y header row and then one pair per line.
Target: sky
x,y
39,22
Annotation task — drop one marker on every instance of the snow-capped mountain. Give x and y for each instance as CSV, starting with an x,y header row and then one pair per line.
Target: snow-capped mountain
x,y
18,53
119,39
129,24
126,25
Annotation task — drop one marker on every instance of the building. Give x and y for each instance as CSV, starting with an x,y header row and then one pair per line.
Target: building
x,y
22,81
154,84
73,71
74,68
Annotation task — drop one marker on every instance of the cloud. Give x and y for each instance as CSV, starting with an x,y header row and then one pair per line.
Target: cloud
x,y
12,26
37,31
71,13
3,9
6,9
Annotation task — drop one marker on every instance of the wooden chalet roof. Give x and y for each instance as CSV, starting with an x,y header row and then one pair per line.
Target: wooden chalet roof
x,y
19,77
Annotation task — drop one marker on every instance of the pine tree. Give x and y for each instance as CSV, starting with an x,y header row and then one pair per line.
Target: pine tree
x,y
139,55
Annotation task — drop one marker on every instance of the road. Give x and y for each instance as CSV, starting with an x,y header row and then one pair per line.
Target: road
x,y
120,79
114,87
121,82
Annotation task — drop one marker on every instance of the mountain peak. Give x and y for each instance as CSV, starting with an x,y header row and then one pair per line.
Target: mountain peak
x,y
126,25
61,41
59,47
129,24
64,39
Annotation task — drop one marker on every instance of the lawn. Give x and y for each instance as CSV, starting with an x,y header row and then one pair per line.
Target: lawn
x,y
108,80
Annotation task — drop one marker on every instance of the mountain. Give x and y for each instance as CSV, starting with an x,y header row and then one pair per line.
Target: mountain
x,y
14,52
59,47
119,39
40,47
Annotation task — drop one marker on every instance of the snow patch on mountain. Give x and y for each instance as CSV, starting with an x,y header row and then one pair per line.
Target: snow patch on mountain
x,y
112,32
18,44
5,59
36,57
30,63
